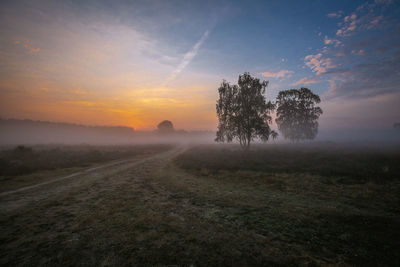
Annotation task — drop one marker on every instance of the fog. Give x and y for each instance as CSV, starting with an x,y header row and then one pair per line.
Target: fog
x,y
384,135
28,132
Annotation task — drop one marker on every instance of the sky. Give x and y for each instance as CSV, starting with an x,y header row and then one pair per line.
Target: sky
x,y
136,63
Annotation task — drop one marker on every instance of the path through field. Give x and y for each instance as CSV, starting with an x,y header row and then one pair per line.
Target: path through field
x,y
81,181
134,212
86,218
151,212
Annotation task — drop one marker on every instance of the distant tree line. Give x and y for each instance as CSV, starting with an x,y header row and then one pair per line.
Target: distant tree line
x,y
244,114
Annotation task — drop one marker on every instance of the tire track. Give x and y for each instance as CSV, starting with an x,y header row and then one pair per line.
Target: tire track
x,y
14,199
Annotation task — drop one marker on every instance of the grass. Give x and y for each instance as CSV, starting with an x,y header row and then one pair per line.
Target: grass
x,y
25,160
198,209
338,206
23,165
354,164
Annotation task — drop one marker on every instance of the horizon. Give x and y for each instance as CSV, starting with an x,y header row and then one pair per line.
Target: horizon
x,y
94,125
199,132
136,64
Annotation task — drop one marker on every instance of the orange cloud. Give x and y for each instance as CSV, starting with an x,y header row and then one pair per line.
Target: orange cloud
x,y
26,45
317,63
305,81
279,74
34,50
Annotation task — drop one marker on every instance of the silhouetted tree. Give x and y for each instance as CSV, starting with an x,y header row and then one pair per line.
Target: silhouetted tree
x,y
243,112
297,115
165,127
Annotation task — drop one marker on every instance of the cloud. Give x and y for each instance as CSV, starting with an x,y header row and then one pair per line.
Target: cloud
x,y
27,46
335,14
188,57
351,17
279,74
318,63
363,76
350,25
360,63
34,50
364,18
367,79
360,52
335,42
375,22
305,81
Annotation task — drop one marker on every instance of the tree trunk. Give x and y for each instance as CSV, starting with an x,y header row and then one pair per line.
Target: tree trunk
x,y
247,144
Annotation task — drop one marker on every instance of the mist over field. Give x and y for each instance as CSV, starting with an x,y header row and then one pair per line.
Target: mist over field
x,y
28,132
199,133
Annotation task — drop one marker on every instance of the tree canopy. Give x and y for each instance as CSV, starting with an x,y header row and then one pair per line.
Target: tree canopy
x,y
165,127
297,115
243,112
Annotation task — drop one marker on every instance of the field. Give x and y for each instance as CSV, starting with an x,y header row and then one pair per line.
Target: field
x,y
24,165
207,205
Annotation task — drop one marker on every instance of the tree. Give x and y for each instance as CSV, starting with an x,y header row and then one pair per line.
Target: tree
x,y
165,127
243,112
297,115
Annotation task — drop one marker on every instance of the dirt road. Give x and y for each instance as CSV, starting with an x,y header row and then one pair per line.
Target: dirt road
x,y
107,175
152,212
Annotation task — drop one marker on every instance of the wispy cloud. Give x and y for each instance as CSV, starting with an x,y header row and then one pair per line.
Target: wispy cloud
x,y
278,74
374,22
363,18
318,63
27,46
188,57
344,60
328,41
359,52
34,50
305,81
350,24
335,14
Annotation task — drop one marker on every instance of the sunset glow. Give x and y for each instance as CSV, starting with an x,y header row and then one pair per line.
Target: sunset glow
x,y
138,63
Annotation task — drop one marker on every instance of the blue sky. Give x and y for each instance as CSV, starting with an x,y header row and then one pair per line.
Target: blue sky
x,y
138,62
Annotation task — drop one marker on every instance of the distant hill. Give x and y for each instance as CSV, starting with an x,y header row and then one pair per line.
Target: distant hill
x,y
13,131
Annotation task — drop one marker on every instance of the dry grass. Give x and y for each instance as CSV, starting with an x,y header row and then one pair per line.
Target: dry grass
x,y
160,214
22,165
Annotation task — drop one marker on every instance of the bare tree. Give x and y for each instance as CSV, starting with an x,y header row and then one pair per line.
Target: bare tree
x,y
243,112
297,115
